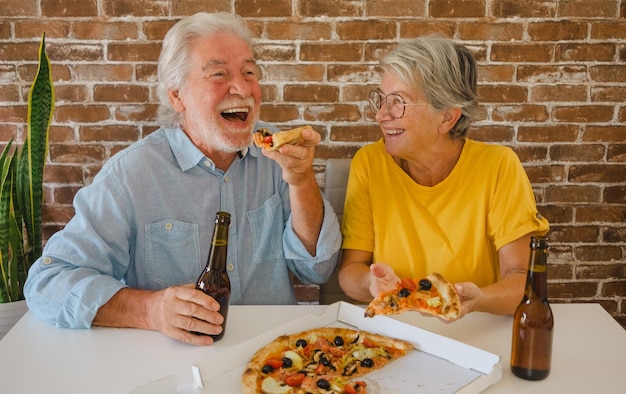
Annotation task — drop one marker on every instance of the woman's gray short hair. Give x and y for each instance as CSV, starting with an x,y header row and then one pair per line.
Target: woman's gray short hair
x,y
173,65
443,71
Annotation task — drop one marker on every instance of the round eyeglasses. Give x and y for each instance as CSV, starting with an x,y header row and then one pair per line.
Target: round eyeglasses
x,y
394,102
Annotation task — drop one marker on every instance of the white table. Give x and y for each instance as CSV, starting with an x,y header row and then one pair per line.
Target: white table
x,y
589,353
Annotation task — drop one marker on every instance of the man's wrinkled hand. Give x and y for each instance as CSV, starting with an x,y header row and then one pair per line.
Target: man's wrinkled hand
x,y
178,311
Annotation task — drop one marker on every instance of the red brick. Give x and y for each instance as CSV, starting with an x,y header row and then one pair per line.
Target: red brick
x,y
456,9
487,31
565,133
615,133
136,113
120,93
614,235
370,30
557,214
587,8
502,94
329,8
610,74
524,53
552,74
608,30
336,112
311,93
279,113
115,8
94,30
520,113
190,7
52,28
292,30
315,52
409,29
576,52
557,30
560,93
490,133
598,253
108,133
275,53
573,194
597,173
574,153
523,9
11,8
264,8
573,289
133,52
495,73
104,72
616,153
294,72
583,114
83,154
81,113
602,213
402,8
608,94
545,174
614,194
68,8
614,288
368,133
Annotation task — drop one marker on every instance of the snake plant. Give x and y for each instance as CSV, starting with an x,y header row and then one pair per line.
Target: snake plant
x,y
21,187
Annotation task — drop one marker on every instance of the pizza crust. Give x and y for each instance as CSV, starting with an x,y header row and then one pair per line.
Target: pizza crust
x,y
278,139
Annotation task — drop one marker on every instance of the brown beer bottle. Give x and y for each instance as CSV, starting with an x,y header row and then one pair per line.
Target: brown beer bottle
x,y
214,279
531,349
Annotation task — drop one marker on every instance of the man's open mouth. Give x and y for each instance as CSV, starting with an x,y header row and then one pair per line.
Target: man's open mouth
x,y
236,114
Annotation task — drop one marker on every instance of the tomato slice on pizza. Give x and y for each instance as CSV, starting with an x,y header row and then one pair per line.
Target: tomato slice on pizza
x,y
433,295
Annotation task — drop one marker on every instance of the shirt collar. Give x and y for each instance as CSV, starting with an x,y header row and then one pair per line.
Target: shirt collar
x,y
188,155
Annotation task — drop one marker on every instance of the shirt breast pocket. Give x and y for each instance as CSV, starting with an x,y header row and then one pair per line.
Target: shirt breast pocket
x,y
173,253
266,226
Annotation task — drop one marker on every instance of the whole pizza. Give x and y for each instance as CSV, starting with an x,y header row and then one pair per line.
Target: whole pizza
x,y
320,360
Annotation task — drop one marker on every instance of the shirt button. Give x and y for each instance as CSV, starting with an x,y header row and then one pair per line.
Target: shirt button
x,y
207,163
169,226
230,266
225,179
47,260
538,216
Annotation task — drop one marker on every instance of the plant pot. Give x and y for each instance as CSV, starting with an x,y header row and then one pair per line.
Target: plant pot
x,y
10,313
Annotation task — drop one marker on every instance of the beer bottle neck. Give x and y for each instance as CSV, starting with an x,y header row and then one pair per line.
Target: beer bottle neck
x,y
537,279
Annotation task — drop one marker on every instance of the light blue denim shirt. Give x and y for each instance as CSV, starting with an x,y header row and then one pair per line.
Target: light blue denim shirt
x,y
146,222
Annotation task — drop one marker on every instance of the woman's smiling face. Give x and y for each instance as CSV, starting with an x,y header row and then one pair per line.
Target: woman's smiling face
x,y
416,129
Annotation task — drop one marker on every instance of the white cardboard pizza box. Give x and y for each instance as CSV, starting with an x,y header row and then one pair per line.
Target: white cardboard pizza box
x,y
438,364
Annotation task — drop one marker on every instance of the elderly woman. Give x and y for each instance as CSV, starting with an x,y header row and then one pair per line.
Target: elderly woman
x,y
425,198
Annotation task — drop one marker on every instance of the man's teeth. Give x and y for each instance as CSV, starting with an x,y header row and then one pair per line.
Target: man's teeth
x,y
235,110
394,132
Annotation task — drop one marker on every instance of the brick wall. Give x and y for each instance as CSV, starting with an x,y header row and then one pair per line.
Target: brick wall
x,y
552,80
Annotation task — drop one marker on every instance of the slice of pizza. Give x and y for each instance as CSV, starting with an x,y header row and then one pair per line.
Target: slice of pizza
x,y
433,295
320,360
263,138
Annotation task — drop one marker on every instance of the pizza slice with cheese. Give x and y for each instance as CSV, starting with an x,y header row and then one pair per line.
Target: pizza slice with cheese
x,y
433,295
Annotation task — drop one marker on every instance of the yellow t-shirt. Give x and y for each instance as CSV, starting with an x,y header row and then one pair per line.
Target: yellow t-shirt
x,y
454,228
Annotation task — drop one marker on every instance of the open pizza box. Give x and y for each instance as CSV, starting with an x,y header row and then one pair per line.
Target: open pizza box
x,y
438,364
